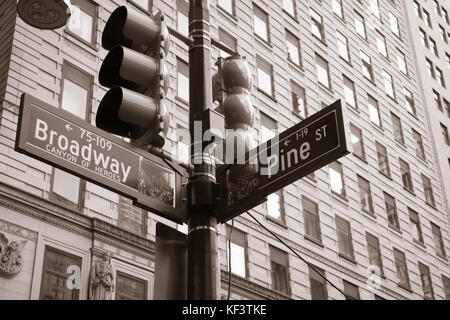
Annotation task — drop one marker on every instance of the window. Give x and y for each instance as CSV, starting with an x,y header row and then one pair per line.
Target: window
x,y
374,8
55,276
440,77
447,107
83,20
227,5
420,152
144,4
337,8
360,25
268,128
261,23
391,210
417,230
299,100
445,15
293,48
401,62
317,25
438,242
394,24
265,76
279,270
423,38
75,97
130,288
402,269
357,142
182,17
427,18
311,217
430,68
351,290
337,179
318,284
443,34
373,248
437,7
349,92
227,40
425,277
410,105
437,100
289,7
323,73
381,44
388,84
374,111
446,283
238,252
383,162
417,9
367,69
365,196
397,127
183,145
447,58
182,80
433,47
275,206
406,175
342,44
445,134
344,237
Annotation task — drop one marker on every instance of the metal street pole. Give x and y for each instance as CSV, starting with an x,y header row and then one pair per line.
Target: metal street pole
x,y
203,268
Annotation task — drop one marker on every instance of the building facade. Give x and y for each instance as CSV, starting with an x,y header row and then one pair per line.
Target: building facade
x,y
375,223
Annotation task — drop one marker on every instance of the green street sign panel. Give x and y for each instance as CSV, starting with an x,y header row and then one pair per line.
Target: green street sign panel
x,y
69,143
295,153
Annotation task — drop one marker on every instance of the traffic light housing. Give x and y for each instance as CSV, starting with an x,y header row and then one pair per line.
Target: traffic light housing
x,y
136,74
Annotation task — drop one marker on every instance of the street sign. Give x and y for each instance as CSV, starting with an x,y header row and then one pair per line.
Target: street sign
x,y
69,143
298,151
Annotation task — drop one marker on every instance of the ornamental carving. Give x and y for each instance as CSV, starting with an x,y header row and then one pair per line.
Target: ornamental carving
x,y
11,262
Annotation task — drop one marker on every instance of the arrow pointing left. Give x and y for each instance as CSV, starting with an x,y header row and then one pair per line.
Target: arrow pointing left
x,y
68,127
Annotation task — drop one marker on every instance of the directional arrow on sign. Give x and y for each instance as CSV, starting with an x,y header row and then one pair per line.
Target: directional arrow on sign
x,y
295,153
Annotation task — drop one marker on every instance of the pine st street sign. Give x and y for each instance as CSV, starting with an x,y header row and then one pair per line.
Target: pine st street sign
x,y
298,151
63,140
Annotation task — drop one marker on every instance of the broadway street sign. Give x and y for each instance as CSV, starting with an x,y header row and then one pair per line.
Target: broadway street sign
x,y
63,140
298,151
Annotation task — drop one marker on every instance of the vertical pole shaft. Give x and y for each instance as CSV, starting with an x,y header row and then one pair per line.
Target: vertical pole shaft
x,y
203,269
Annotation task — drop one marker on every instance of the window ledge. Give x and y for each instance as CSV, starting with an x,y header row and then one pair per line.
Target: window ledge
x,y
392,98
228,15
299,67
360,158
93,46
397,230
264,42
370,215
299,115
401,144
377,127
322,41
353,109
347,62
267,95
276,221
181,100
420,244
350,259
339,197
410,191
290,15
315,241
407,288
387,176
372,81
326,89
440,256
431,205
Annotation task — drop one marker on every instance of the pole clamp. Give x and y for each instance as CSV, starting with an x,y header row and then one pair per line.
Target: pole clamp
x,y
198,228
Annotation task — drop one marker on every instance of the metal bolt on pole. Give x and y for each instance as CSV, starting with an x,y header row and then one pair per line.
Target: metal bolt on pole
x,y
203,269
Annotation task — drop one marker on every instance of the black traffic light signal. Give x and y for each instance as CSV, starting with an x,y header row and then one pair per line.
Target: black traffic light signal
x,y
135,71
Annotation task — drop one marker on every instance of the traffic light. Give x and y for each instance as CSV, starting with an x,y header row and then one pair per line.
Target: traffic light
x,y
136,74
